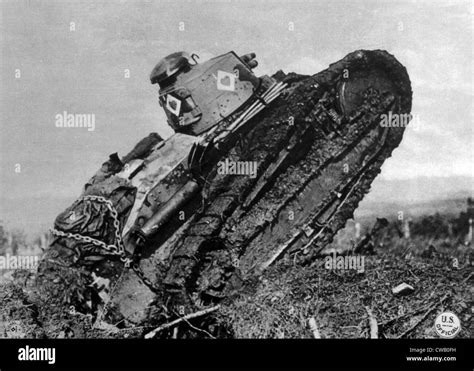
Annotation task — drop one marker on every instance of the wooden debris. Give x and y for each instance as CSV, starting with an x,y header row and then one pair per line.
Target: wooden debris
x,y
467,278
175,333
403,289
314,328
374,328
428,312
394,319
203,312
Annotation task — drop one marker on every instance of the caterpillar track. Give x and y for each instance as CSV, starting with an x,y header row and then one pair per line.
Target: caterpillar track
x,y
318,146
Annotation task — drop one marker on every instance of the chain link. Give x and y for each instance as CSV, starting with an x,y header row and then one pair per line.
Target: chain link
x,y
117,248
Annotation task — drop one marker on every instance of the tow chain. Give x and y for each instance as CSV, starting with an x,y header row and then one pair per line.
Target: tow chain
x,y
117,248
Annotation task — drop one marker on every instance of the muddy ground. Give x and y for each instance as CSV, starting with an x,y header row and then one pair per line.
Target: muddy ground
x,y
281,303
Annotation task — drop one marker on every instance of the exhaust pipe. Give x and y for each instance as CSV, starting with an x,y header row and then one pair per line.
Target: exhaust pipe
x,y
166,211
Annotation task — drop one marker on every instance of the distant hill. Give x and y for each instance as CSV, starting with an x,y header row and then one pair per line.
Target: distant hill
x,y
414,209
421,189
418,196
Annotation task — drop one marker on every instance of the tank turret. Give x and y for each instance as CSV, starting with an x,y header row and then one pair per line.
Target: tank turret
x,y
198,96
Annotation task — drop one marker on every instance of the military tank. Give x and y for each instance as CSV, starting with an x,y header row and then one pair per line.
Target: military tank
x,y
258,168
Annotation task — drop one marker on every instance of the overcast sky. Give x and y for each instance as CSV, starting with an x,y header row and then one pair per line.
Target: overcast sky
x,y
82,71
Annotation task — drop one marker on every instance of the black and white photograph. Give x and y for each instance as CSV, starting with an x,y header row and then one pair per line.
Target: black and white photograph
x,y
215,170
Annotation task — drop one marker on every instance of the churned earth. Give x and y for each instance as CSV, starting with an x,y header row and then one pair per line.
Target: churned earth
x,y
306,302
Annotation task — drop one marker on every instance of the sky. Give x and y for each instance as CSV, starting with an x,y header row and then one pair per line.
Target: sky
x,y
73,56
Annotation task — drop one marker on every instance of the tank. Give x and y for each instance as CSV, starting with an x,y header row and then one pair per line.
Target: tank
x,y
259,168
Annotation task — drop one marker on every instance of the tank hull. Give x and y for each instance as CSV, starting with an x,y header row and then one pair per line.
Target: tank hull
x,y
283,189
